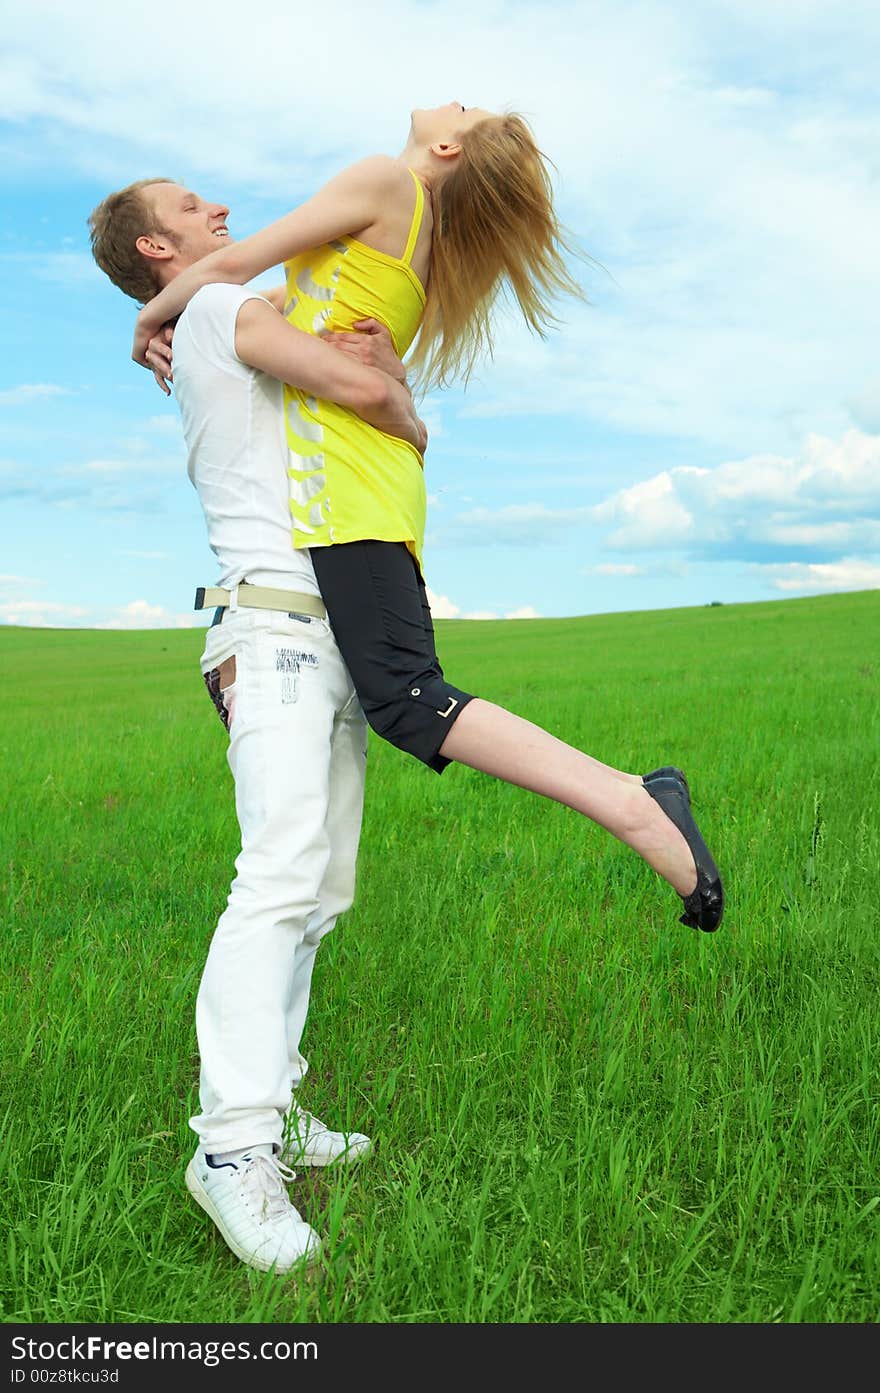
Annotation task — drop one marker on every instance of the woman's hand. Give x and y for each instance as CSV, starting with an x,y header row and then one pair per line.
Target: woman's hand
x,y
145,329
158,358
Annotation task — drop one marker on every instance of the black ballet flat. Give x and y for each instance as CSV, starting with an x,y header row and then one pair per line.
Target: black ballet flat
x,y
668,771
705,905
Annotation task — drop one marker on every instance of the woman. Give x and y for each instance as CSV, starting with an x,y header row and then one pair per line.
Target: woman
x,y
426,243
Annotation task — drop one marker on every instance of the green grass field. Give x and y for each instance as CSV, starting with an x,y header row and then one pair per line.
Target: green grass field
x,y
584,1112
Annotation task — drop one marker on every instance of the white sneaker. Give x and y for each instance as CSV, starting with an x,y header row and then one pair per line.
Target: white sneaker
x,y
249,1204
309,1142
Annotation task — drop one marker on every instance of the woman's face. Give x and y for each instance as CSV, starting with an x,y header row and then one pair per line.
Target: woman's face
x,y
445,125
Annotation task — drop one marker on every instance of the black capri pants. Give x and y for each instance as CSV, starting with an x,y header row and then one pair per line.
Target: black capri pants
x,y
379,613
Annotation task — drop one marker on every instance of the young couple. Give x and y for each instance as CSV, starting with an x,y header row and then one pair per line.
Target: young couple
x,y
307,454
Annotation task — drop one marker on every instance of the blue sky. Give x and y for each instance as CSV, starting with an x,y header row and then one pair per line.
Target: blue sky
x,y
706,428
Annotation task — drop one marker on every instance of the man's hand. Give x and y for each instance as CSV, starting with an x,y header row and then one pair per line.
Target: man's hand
x,y
266,341
396,415
158,358
371,345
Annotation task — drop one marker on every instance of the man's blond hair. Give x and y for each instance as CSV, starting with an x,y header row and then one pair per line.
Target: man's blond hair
x,y
114,226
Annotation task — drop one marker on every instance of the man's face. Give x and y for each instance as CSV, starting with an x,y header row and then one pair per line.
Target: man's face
x,y
196,227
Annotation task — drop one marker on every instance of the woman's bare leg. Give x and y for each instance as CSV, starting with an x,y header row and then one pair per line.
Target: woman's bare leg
x,y
488,738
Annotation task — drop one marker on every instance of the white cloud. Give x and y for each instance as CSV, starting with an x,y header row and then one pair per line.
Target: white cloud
x,y
140,614
525,612
516,524
650,513
30,392
828,536
41,614
865,408
146,555
139,462
441,607
612,568
444,608
162,425
851,573
430,411
106,466
68,268
823,497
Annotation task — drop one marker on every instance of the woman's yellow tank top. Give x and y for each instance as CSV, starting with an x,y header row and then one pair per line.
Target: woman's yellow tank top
x,y
349,481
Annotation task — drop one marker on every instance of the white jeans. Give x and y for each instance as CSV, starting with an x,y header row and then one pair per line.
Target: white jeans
x,y
297,751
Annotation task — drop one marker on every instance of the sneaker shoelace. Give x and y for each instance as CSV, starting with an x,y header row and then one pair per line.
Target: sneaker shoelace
x,y
264,1181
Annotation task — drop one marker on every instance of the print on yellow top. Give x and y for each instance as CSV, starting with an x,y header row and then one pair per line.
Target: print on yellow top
x,y
348,481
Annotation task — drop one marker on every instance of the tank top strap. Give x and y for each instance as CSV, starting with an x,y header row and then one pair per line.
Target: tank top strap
x,y
416,219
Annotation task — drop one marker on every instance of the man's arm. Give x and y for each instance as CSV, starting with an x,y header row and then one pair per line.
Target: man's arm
x,y
371,345
277,297
264,340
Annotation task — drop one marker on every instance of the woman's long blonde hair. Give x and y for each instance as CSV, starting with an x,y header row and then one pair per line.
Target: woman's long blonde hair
x,y
495,231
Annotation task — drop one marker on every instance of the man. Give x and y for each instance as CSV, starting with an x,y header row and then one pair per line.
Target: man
x,y
297,736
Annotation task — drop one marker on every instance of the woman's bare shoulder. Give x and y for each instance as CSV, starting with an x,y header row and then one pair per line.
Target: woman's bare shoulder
x,y
383,170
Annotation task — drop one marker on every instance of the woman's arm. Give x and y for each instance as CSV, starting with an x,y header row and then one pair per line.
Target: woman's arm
x,y
346,205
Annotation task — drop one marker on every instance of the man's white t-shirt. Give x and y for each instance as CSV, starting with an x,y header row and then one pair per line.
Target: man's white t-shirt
x,y
233,425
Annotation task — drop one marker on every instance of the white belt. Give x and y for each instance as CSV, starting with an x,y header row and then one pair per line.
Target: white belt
x,y
260,597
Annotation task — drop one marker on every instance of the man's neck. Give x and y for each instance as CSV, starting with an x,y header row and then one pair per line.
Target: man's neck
x,y
169,270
